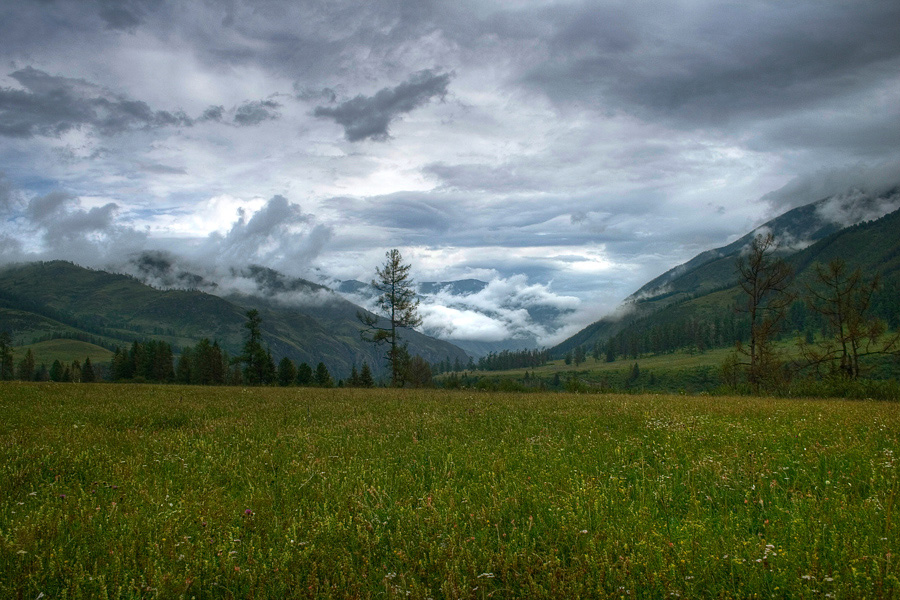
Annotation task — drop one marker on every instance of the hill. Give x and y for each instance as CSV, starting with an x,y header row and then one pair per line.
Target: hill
x,y
66,350
704,290
40,298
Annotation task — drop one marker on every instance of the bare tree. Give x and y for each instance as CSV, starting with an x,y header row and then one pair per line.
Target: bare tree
x,y
398,303
766,280
843,298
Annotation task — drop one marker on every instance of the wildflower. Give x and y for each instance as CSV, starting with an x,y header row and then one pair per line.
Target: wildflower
x,y
248,512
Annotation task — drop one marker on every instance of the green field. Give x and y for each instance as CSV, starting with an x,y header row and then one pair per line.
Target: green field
x,y
65,351
119,491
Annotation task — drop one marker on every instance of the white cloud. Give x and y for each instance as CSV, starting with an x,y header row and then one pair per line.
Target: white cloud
x,y
585,146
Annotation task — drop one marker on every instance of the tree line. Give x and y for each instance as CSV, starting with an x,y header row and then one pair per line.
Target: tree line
x,y
154,361
26,369
843,325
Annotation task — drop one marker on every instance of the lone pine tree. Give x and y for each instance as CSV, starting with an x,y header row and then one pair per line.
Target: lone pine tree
x,y
398,303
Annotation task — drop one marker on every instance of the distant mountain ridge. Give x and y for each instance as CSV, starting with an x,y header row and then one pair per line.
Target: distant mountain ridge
x,y
40,298
794,230
852,226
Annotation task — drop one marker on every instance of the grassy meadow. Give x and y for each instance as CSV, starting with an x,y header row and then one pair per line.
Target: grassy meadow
x,y
120,491
65,351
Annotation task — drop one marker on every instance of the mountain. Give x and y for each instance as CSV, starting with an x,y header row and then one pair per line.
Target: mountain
x,y
301,320
509,307
848,226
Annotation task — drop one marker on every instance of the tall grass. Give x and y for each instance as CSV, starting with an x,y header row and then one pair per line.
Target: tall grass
x,y
184,492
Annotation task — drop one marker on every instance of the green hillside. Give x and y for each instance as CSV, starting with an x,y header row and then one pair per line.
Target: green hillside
x,y
40,299
702,293
65,351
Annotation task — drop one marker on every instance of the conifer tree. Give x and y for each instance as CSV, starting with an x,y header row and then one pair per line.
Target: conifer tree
x,y
365,377
418,372
353,380
304,374
635,372
56,371
323,377
580,355
25,368
287,372
218,364
121,365
7,368
184,373
204,361
255,358
87,371
398,303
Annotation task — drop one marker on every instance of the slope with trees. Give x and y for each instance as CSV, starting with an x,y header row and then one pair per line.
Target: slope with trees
x,y
38,299
707,318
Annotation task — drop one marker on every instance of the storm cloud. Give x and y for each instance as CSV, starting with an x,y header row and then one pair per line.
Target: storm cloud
x,y
369,117
52,105
584,146
254,113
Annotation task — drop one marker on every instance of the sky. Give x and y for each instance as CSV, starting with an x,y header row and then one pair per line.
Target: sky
x,y
571,150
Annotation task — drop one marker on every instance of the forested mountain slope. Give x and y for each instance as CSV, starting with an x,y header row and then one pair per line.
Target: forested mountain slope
x,y
697,299
37,299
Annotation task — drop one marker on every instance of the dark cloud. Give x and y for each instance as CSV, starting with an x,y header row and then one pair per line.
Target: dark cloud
x,y
370,117
59,217
52,105
315,95
76,223
213,113
7,202
874,181
42,208
159,169
10,248
575,130
420,214
65,230
119,16
696,66
482,177
255,112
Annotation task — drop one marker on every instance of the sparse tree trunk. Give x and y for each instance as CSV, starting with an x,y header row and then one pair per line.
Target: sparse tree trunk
x,y
765,279
843,299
